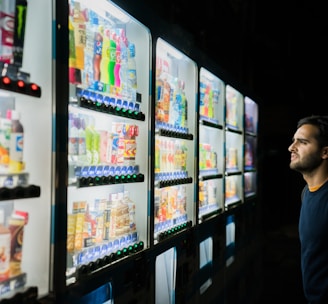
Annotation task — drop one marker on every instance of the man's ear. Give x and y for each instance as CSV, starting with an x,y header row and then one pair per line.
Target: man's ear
x,y
324,154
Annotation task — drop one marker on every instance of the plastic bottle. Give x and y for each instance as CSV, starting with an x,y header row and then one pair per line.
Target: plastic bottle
x,y
97,52
72,53
77,43
132,71
184,122
124,71
112,61
157,155
210,104
5,131
16,163
5,245
73,147
175,104
87,75
96,148
89,134
81,141
79,23
104,77
132,65
117,67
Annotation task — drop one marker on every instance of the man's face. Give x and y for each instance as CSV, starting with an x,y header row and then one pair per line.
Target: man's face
x,y
305,150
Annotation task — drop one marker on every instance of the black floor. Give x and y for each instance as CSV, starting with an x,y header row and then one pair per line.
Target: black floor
x,y
282,282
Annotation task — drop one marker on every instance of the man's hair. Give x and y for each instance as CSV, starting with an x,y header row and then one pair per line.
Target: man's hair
x,y
321,122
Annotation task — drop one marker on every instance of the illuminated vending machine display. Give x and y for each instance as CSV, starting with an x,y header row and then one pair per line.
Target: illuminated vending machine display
x,y
25,150
108,127
250,169
211,145
174,164
234,145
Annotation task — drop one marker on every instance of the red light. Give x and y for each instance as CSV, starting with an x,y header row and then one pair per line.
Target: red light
x,y
19,86
6,80
34,87
20,83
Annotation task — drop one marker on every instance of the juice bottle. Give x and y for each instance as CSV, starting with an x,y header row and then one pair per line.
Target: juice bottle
x,y
112,61
72,54
81,141
124,71
184,106
96,148
5,239
87,73
73,123
89,134
92,143
79,36
5,130
16,163
97,52
104,76
117,67
157,155
77,43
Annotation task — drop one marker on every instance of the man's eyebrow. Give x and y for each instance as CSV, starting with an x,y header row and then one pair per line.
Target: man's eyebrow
x,y
300,139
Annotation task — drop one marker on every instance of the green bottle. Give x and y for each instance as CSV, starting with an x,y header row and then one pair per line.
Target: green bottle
x,y
89,134
96,148
112,62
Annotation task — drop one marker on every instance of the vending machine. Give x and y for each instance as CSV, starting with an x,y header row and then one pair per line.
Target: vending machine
x,y
175,161
242,241
26,176
211,163
107,108
234,140
250,155
174,164
251,206
234,191
211,195
252,211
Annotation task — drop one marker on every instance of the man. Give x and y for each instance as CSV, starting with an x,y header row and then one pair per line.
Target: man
x,y
309,156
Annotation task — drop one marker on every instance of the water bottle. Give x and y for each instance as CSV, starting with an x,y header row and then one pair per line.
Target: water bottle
x,y
132,71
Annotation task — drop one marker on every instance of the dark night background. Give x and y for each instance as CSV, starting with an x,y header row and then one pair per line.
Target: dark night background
x,y
277,49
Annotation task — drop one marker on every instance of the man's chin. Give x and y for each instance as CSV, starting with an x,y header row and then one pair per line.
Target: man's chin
x,y
293,166
297,169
